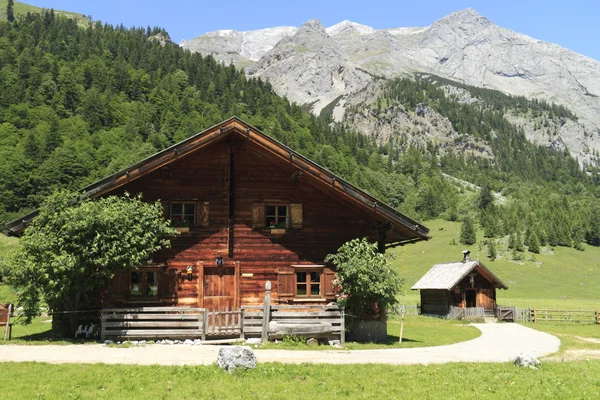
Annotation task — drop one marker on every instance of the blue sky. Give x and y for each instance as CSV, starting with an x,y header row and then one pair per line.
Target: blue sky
x,y
572,24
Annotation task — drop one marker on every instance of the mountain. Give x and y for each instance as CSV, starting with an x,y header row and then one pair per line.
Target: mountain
x,y
21,8
316,66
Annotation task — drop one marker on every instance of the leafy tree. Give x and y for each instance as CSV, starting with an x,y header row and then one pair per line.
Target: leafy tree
x,y
467,231
74,246
369,283
10,11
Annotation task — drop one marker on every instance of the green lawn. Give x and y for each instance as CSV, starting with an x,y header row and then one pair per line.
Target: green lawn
x,y
577,380
572,336
419,331
558,278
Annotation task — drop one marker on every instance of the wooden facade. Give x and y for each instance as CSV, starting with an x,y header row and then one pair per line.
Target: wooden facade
x,y
257,211
462,284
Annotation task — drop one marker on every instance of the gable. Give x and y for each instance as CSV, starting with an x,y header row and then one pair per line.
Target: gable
x,y
397,227
446,276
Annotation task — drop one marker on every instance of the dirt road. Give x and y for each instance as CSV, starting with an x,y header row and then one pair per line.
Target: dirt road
x,y
497,343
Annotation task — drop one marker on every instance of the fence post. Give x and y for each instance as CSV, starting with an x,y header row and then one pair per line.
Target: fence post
x,y
343,333
266,312
204,324
597,314
241,323
534,316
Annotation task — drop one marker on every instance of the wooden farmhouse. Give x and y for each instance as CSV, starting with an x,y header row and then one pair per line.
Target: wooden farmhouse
x,y
461,284
251,210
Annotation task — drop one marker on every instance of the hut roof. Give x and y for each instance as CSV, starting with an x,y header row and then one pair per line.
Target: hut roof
x,y
447,275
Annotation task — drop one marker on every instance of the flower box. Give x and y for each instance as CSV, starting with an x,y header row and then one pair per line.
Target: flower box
x,y
278,231
182,229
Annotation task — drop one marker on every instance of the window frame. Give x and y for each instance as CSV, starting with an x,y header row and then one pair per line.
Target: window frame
x,y
182,215
278,224
143,284
309,284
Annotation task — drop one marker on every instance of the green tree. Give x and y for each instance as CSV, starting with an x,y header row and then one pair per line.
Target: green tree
x,y
533,243
368,282
593,236
467,231
492,254
10,11
74,246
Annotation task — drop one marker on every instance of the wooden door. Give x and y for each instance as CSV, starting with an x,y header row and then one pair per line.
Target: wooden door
x,y
219,288
485,299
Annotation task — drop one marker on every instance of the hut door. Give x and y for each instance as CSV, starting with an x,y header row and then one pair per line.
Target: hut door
x,y
220,286
471,298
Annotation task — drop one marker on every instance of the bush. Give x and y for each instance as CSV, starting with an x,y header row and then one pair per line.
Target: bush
x,y
366,282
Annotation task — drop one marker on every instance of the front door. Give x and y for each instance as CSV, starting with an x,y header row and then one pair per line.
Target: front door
x,y
470,298
219,288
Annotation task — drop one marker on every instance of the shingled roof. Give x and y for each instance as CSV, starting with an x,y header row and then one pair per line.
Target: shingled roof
x,y
400,227
447,275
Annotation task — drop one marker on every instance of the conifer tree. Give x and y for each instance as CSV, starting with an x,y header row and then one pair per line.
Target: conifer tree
x,y
492,250
467,232
534,243
10,11
518,242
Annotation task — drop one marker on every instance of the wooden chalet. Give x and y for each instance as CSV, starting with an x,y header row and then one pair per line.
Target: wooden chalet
x,y
251,210
463,284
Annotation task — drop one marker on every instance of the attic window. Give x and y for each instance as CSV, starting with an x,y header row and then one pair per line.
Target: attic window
x,y
183,213
276,216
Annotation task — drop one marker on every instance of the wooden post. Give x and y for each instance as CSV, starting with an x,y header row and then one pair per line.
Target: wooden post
x,y
343,332
266,312
401,328
533,313
7,328
597,314
204,323
241,323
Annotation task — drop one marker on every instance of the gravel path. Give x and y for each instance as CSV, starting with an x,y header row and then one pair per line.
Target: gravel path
x,y
497,343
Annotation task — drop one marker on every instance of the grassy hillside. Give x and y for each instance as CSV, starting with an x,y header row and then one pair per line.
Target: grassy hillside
x,y
557,277
23,9
7,244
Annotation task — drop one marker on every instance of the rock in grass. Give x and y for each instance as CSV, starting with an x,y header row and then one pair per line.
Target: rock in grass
x,y
234,357
525,360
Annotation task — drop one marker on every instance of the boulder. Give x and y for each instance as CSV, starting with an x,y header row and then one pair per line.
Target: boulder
x,y
525,360
233,357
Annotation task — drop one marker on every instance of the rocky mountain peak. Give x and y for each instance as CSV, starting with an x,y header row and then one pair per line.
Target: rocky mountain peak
x,y
311,28
466,16
348,27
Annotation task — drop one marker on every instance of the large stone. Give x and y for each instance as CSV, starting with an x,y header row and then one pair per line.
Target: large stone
x,y
525,360
234,357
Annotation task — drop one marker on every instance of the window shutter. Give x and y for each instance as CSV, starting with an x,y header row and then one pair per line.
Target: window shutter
x,y
166,209
296,212
286,281
258,215
328,276
202,214
167,284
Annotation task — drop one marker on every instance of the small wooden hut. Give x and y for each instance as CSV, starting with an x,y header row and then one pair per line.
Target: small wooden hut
x,y
462,284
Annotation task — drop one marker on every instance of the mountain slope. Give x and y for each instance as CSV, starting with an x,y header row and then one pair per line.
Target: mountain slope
x,y
463,46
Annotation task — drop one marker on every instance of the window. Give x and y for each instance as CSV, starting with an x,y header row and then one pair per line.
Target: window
x,y
183,213
305,283
308,284
276,216
144,284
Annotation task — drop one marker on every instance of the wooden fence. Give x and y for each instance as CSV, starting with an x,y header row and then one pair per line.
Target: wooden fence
x,y
578,316
266,321
516,314
466,313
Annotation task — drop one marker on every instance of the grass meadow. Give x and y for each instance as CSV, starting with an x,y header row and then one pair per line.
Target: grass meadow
x,y
574,380
560,277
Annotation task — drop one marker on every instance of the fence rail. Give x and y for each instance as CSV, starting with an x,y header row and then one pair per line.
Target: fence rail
x,y
548,315
466,313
